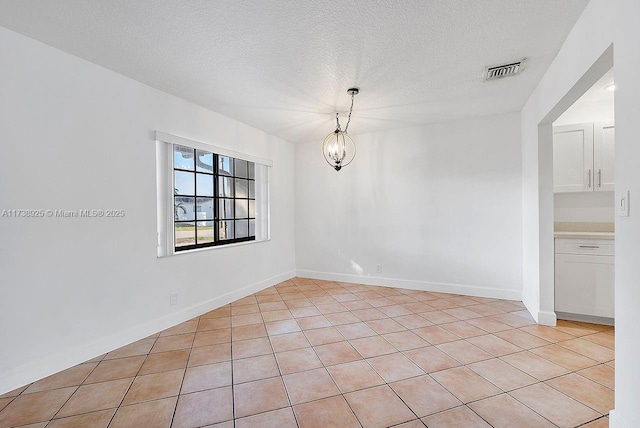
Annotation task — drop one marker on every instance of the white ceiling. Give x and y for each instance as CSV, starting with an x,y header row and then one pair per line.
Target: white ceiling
x,y
595,105
284,66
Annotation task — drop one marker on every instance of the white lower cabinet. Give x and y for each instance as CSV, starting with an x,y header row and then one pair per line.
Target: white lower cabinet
x,y
584,277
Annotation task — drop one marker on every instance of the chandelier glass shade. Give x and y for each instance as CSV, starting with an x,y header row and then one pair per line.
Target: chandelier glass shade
x,y
338,147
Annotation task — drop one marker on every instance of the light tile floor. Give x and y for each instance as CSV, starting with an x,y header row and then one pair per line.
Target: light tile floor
x,y
312,353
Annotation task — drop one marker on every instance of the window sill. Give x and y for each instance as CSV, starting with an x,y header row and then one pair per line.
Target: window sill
x,y
213,247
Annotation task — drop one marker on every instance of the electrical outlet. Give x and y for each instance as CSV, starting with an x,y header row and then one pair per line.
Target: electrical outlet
x,y
173,299
378,268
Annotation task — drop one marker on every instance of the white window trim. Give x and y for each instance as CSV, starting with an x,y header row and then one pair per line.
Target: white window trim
x,y
173,139
164,180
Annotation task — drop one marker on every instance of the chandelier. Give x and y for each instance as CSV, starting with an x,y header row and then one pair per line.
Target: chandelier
x,y
338,148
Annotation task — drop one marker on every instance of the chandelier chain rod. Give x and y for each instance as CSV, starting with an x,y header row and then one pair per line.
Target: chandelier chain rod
x,y
350,110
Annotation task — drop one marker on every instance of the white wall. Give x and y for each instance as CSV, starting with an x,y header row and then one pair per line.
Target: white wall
x,y
439,207
558,90
77,136
577,66
627,63
584,207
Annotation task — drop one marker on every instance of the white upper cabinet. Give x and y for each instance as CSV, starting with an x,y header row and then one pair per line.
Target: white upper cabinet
x,y
573,158
603,155
583,157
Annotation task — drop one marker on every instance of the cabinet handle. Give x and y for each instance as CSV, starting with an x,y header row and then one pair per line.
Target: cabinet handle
x,y
599,178
589,179
589,246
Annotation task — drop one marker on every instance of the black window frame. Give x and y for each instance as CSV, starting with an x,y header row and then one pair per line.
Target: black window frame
x,y
216,173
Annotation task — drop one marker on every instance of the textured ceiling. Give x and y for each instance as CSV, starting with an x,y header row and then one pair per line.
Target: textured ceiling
x,y
283,66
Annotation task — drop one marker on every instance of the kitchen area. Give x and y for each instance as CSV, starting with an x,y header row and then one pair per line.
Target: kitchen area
x,y
585,206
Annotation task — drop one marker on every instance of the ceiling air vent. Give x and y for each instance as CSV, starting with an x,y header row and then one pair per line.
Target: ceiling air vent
x,y
499,71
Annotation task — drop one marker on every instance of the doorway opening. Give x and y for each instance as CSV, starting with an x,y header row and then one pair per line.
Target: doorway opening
x,y
584,199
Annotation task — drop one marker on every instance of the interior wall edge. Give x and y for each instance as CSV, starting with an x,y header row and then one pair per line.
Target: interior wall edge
x,y
546,318
532,306
616,421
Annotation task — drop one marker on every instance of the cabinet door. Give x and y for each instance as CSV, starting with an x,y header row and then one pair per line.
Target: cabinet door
x,y
603,155
584,285
573,158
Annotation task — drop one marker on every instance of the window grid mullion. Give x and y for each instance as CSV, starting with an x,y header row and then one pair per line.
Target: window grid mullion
x,y
195,198
217,200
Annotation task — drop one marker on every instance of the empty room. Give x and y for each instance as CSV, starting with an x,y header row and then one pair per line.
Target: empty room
x,y
411,213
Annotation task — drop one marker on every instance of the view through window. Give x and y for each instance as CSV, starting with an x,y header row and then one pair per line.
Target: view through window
x,y
214,199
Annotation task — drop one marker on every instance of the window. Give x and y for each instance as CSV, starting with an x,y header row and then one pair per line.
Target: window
x,y
216,196
214,199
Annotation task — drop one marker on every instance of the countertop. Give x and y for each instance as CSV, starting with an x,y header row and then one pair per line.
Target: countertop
x,y
584,235
584,230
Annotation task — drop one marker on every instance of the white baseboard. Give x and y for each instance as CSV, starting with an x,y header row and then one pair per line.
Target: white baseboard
x,y
51,364
467,290
547,318
541,317
586,318
615,421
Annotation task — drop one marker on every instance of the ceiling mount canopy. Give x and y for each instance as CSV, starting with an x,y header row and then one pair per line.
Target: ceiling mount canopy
x,y
338,147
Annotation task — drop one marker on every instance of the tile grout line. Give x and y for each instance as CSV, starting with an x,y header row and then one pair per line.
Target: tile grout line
x,y
544,382
494,356
328,372
315,293
295,416
72,394
184,375
95,383
233,386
